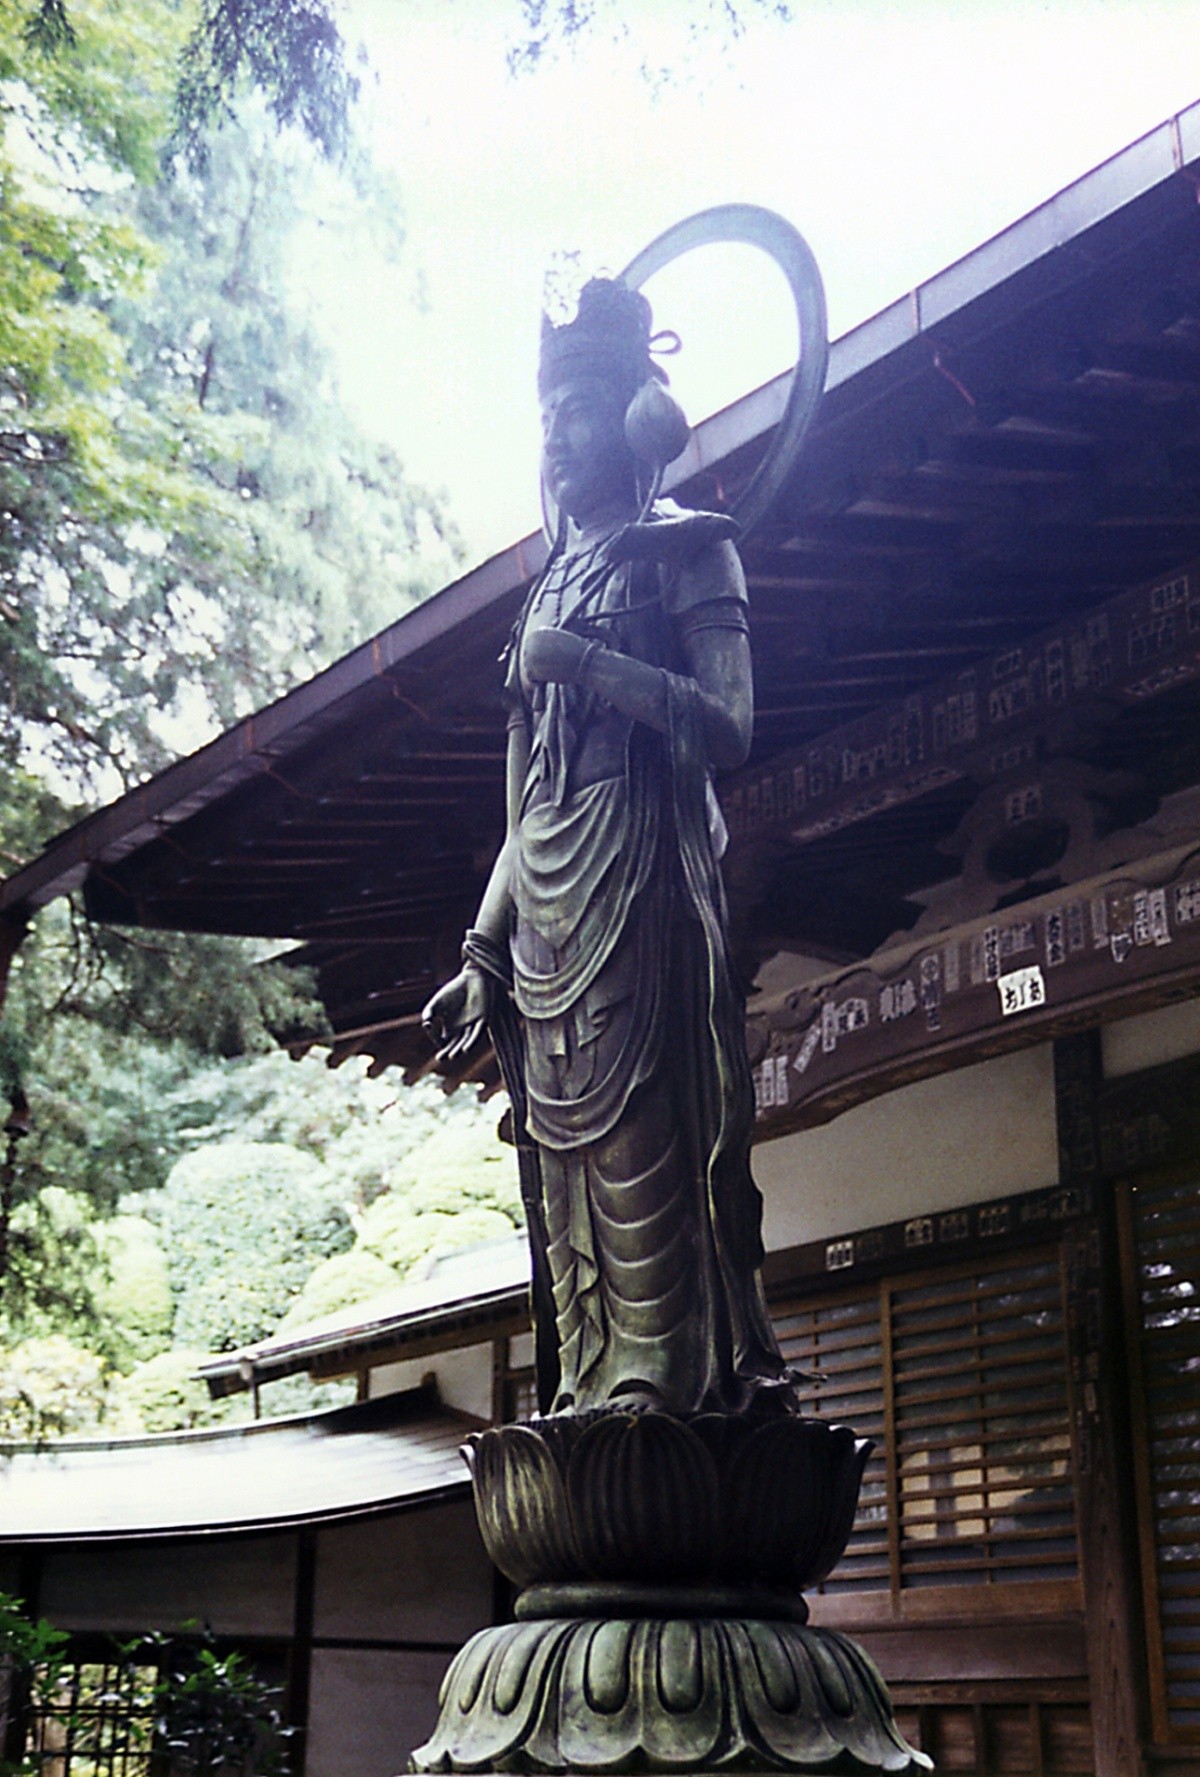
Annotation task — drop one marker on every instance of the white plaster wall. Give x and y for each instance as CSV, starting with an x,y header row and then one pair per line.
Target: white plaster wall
x,y
980,1132
396,1378
1150,1038
464,1378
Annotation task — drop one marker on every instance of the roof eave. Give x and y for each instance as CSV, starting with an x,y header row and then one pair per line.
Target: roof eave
x,y
347,1348
879,345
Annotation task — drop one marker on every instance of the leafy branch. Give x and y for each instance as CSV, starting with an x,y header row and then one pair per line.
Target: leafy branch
x,y
212,1713
290,50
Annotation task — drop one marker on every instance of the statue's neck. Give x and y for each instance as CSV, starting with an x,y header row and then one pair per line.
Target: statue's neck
x,y
594,527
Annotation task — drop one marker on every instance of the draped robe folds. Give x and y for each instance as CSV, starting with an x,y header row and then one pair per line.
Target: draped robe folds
x,y
630,1080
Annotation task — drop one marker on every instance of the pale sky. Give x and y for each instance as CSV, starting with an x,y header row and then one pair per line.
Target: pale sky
x,y
896,135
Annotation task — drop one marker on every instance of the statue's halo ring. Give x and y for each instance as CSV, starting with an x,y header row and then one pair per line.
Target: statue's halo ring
x,y
753,226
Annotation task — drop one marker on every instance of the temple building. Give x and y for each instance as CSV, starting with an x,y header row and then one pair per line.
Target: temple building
x,y
964,873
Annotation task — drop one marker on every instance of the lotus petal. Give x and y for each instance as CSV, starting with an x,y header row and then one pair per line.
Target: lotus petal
x,y
790,1495
675,1695
776,1497
643,1498
521,1505
848,1456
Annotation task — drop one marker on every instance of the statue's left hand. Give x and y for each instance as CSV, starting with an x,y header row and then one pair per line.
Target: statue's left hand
x,y
553,656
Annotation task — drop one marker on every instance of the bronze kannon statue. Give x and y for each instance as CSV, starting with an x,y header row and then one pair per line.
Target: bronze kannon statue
x,y
628,684
660,1554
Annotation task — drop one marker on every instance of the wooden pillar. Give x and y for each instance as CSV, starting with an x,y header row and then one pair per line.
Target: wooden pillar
x,y
1100,1430
16,1698
16,1125
13,928
499,1380
299,1691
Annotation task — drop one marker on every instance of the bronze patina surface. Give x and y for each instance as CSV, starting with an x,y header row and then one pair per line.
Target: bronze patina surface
x,y
666,1513
628,682
661,1625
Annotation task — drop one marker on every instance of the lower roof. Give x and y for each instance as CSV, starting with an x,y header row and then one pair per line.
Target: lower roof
x,y
399,1451
466,1293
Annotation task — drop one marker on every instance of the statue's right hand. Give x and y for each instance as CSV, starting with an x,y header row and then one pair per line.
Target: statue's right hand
x,y
456,1014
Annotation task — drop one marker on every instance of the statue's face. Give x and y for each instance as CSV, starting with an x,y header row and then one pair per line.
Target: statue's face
x,y
586,462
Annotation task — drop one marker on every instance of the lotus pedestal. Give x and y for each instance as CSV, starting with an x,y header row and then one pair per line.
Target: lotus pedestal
x,y
660,1626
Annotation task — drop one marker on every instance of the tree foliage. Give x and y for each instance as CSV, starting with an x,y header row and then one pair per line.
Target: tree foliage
x,y
341,1282
293,53
53,1270
290,50
165,1394
50,1388
213,1714
244,1223
133,1294
74,462
272,1165
456,1188
545,26
188,525
25,1645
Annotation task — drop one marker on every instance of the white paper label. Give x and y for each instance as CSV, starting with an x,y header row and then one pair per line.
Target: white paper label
x,y
1021,990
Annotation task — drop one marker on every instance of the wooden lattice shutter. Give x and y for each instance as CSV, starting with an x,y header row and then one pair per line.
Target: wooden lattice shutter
x,y
981,1426
838,1345
1161,1241
961,1377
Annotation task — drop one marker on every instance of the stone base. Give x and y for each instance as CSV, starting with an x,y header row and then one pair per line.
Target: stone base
x,y
654,1694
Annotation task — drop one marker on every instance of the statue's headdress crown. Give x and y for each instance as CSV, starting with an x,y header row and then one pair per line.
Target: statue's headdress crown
x,y
609,338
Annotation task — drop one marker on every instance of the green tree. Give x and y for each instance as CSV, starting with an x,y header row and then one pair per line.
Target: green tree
x,y
165,1394
187,525
90,1262
341,1282
97,1281
74,126
213,1714
243,1224
187,522
456,1187
50,1388
305,538
468,1168
292,52
133,1294
53,1270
